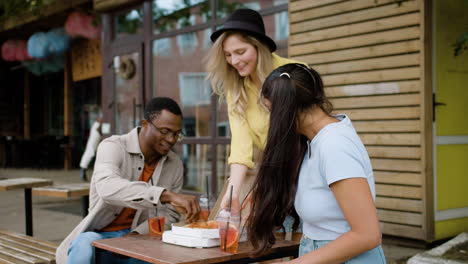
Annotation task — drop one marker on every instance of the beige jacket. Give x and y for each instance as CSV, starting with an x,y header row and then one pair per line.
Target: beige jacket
x,y
115,185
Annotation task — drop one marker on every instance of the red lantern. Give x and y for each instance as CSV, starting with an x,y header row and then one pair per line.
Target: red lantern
x,y
81,24
15,50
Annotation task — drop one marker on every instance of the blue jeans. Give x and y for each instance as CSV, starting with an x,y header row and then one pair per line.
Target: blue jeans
x,y
81,251
373,256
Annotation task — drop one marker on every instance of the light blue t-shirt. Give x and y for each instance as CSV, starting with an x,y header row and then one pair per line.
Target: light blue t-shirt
x,y
335,153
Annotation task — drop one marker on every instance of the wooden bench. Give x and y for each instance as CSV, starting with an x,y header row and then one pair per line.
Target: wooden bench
x,y
19,248
67,191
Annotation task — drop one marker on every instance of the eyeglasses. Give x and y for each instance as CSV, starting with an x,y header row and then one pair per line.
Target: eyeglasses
x,y
167,132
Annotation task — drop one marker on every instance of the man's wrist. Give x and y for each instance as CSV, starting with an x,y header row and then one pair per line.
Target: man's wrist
x,y
165,196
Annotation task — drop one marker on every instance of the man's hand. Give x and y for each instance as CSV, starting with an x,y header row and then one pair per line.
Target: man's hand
x,y
184,204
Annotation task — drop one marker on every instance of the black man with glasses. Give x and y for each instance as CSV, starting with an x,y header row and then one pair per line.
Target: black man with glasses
x,y
133,173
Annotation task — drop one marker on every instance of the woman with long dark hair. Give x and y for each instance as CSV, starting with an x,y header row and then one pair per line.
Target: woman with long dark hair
x,y
314,167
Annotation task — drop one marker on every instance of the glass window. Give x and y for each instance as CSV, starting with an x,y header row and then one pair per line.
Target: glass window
x,y
197,165
278,31
128,108
176,14
179,72
187,43
162,47
222,165
129,22
181,76
225,8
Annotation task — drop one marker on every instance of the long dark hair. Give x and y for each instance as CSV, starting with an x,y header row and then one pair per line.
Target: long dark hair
x,y
291,89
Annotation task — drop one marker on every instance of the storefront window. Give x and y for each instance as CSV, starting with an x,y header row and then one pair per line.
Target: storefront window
x,y
129,23
178,14
181,76
197,165
128,106
181,40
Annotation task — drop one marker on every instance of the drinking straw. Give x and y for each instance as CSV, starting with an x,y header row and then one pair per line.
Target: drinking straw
x,y
208,193
158,220
229,218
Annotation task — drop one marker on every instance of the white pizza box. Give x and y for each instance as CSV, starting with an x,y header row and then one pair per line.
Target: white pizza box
x,y
189,241
180,229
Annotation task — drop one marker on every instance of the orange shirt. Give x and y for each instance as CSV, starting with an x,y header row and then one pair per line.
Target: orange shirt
x,y
125,218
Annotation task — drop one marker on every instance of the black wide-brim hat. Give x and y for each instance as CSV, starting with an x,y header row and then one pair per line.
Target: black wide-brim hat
x,y
248,21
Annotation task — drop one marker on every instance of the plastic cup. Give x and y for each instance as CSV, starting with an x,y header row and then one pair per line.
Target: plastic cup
x,y
228,227
156,221
205,209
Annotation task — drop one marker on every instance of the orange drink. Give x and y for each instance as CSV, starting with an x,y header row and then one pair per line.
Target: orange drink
x,y
229,238
204,213
228,227
156,221
156,225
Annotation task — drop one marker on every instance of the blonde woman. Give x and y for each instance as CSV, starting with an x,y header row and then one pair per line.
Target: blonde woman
x,y
237,64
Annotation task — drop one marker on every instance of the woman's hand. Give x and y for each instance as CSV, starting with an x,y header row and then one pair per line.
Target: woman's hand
x,y
236,180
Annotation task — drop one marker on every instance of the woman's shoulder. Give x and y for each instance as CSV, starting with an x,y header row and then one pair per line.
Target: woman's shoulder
x,y
280,61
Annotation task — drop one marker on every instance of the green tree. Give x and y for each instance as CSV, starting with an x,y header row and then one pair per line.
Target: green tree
x,y
14,8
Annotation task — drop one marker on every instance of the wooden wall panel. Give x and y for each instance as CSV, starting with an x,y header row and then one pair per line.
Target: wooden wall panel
x,y
369,55
377,50
358,28
399,204
373,88
358,16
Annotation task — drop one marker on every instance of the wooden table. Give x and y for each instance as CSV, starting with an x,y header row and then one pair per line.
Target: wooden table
x,y
67,191
26,184
153,250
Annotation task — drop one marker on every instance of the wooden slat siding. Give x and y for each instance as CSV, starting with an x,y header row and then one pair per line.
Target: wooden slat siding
x,y
372,76
368,64
399,204
369,56
387,126
396,139
376,101
373,89
304,4
400,217
383,113
360,53
397,191
396,165
402,230
394,152
358,41
335,9
403,178
353,17
354,29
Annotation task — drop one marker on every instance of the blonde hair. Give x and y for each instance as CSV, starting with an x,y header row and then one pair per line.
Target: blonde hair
x,y
224,78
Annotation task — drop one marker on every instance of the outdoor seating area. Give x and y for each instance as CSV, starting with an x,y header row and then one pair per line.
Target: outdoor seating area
x,y
233,131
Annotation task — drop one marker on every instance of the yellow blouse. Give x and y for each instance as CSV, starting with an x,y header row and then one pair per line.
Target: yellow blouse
x,y
245,134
